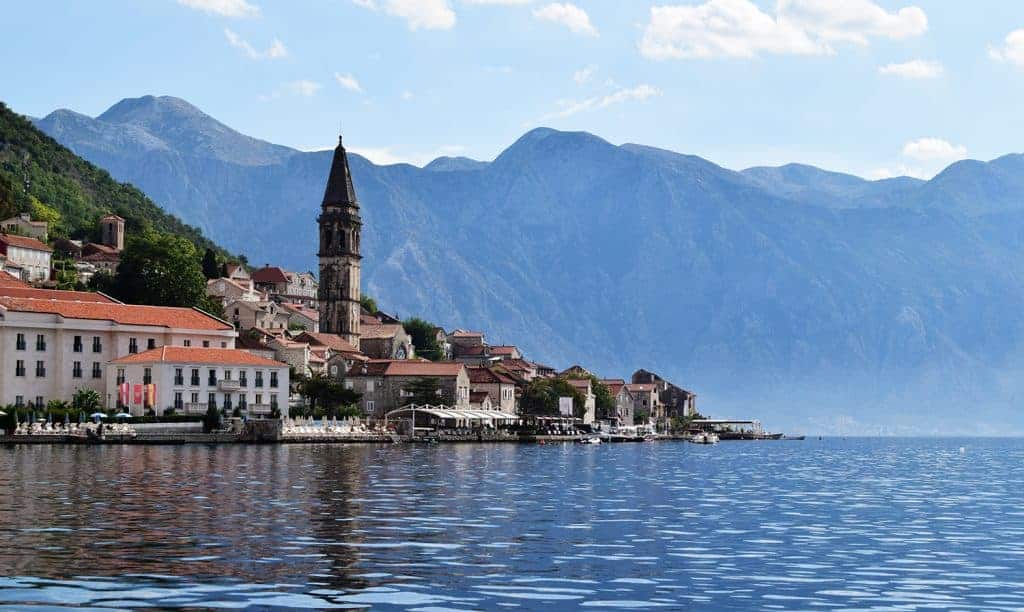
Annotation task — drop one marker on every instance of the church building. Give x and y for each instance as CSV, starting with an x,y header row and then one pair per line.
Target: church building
x,y
340,226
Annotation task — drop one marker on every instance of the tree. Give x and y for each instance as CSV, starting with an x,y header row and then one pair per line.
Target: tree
x,y
368,303
604,403
327,393
211,420
86,400
540,398
161,270
424,338
426,391
210,267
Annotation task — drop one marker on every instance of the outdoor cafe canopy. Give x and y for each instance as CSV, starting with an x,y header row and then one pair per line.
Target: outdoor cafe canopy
x,y
461,417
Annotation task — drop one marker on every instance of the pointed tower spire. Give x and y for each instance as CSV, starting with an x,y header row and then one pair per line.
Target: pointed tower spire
x,y
340,191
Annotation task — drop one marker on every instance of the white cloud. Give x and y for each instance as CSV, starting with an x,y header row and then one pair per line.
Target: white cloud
x,y
738,28
572,107
914,69
1012,49
425,14
934,149
407,95
498,2
583,75
224,8
348,81
303,88
384,156
275,51
569,15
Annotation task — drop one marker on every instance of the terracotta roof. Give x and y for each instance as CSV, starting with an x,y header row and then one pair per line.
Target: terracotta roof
x,y
504,350
127,314
465,351
462,333
580,383
407,367
270,274
100,248
614,385
54,294
482,376
102,257
247,341
191,354
6,280
111,216
332,341
517,365
24,242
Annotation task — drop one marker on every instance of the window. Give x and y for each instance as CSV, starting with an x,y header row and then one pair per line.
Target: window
x,y
39,401
19,367
273,400
211,399
369,406
242,403
348,384
40,369
76,369
133,346
179,377
178,403
243,380
19,401
211,378
186,343
77,344
20,343
120,376
259,398
227,374
206,344
259,378
227,401
97,370
195,398
151,344
97,344
147,376
194,378
369,386
273,379
40,342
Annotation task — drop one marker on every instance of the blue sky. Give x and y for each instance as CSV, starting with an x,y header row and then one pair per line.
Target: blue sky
x,y
871,87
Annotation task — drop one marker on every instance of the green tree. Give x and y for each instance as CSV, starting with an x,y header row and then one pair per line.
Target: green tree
x,y
211,420
210,267
161,270
426,391
86,400
540,398
604,403
327,394
424,338
368,303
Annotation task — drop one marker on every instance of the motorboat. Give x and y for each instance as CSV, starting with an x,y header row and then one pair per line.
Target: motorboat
x,y
704,437
590,440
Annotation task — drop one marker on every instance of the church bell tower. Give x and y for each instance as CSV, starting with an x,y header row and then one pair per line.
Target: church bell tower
x,y
340,227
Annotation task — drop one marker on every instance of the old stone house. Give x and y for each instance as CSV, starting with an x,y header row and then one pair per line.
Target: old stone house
x,y
500,386
383,383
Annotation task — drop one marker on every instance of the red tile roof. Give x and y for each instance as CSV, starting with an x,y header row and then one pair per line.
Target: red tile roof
x,y
54,294
191,354
128,314
96,247
614,385
270,274
504,350
462,333
483,376
407,367
6,280
332,341
24,242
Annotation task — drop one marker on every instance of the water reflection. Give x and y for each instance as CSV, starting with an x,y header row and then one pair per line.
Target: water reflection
x,y
860,524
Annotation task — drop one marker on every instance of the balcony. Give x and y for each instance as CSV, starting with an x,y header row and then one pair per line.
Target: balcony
x,y
259,408
191,408
227,385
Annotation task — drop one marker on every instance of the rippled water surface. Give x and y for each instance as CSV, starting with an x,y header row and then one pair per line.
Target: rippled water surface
x,y
894,524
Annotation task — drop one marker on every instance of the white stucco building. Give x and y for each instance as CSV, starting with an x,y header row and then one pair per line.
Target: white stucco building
x,y
55,342
189,379
32,256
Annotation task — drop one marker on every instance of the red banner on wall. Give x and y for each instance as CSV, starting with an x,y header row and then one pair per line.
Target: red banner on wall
x,y
137,394
124,393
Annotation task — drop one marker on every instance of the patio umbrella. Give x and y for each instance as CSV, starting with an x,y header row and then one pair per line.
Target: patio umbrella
x,y
123,415
2,413
97,416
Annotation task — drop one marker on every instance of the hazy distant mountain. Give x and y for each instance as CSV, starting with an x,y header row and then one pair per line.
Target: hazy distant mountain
x,y
807,298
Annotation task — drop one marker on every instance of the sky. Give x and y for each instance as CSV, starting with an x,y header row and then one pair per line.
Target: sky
x,y
875,88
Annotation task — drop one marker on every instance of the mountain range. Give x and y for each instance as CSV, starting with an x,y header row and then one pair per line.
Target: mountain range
x,y
813,300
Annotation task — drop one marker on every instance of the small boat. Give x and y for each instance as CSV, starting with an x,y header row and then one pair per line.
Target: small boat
x,y
786,437
590,440
704,437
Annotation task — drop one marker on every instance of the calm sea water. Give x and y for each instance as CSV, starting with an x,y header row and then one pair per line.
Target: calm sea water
x,y
831,524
